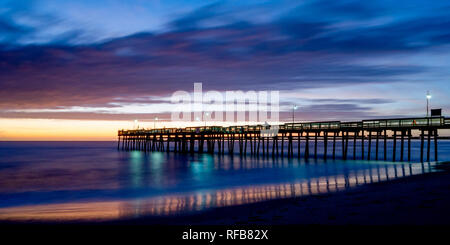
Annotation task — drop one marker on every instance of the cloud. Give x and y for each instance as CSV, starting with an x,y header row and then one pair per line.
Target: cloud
x,y
353,101
313,45
11,31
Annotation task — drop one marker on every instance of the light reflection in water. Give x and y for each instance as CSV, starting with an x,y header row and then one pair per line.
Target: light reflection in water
x,y
201,200
136,165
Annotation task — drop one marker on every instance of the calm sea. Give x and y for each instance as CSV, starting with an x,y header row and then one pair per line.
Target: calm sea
x,y
95,181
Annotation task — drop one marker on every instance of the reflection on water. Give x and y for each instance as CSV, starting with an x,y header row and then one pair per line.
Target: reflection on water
x,y
328,178
237,196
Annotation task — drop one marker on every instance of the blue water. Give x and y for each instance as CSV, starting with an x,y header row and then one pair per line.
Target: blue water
x,y
94,180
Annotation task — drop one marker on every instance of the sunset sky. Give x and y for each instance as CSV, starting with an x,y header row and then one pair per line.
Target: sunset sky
x,y
80,70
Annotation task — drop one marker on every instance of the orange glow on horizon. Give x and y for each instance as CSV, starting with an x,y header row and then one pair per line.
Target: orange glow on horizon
x,y
59,129
20,129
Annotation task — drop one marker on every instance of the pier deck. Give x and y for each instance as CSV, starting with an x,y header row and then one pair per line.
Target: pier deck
x,y
271,141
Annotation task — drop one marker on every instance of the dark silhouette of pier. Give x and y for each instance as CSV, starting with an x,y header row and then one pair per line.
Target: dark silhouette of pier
x,y
261,140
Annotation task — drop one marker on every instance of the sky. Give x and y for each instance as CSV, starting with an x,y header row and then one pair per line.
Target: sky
x,y
80,70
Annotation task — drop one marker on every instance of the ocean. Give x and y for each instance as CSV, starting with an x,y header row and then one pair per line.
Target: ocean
x,y
95,181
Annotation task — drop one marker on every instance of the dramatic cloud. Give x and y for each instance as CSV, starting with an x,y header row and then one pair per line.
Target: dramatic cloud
x,y
47,62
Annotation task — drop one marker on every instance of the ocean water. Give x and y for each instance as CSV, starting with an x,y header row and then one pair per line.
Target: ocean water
x,y
95,181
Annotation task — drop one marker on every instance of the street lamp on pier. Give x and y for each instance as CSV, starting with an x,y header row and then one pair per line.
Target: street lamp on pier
x,y
294,107
428,101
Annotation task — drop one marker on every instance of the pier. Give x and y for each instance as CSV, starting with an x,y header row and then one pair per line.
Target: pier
x,y
369,139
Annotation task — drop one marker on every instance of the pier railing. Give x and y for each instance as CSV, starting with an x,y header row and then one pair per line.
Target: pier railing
x,y
440,122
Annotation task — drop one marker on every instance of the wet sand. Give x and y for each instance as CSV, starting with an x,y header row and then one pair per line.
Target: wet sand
x,y
415,200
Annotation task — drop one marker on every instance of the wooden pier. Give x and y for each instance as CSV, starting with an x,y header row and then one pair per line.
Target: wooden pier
x,y
260,140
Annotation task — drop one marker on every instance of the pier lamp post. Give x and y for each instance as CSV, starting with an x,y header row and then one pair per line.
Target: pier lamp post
x,y
428,101
294,107
154,122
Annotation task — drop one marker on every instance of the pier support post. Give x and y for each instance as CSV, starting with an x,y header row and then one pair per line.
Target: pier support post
x,y
376,145
223,143
422,132
307,146
168,143
394,149
152,142
245,144
435,145
315,144
370,145
362,144
251,144
334,144
273,146
276,145
402,143
346,145
192,143
343,144
263,148
175,143
233,141
385,145
259,142
428,144
153,145
229,143
240,144
355,135
409,145
291,145
325,144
